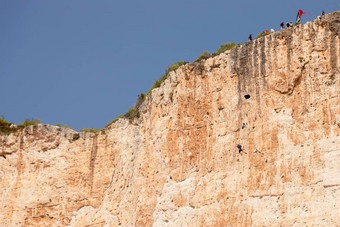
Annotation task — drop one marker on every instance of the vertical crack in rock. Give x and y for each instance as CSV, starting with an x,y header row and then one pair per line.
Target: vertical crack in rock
x,y
20,164
334,57
93,158
289,50
256,79
21,141
244,64
235,70
263,59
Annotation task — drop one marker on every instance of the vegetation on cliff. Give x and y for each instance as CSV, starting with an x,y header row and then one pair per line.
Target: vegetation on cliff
x,y
171,68
93,130
134,112
221,49
262,34
9,127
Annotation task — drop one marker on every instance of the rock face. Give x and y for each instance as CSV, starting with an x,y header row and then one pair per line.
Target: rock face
x,y
178,164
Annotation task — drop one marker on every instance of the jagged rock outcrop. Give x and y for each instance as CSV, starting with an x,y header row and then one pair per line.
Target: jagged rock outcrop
x,y
178,165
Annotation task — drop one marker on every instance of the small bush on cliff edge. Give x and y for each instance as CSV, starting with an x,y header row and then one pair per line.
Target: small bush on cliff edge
x,y
93,130
262,34
29,122
9,127
172,67
225,47
114,121
133,112
6,127
90,130
204,55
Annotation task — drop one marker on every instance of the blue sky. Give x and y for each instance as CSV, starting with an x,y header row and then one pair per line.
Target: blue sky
x,y
83,62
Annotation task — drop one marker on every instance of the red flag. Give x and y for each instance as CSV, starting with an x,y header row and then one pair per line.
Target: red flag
x,y
301,12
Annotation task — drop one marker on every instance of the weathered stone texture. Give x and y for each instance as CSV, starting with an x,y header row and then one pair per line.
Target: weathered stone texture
x,y
178,164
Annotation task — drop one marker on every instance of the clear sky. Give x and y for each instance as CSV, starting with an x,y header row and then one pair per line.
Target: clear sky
x,y
83,62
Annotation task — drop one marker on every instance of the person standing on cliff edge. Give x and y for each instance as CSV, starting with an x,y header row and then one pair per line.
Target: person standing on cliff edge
x,y
282,25
322,13
250,38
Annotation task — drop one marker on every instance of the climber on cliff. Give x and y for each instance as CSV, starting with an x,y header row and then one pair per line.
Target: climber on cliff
x,y
322,13
250,37
282,25
239,147
299,15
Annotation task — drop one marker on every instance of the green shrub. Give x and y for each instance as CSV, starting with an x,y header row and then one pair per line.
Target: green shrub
x,y
58,124
262,34
143,96
114,121
155,85
158,83
28,122
172,67
6,127
111,122
140,100
129,113
66,126
134,112
224,47
204,55
90,130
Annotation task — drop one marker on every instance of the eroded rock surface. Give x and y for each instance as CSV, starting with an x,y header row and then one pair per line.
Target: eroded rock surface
x,y
178,165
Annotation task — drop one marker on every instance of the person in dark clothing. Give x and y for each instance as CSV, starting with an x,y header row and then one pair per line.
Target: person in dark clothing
x,y
287,25
243,125
250,37
282,25
239,148
322,13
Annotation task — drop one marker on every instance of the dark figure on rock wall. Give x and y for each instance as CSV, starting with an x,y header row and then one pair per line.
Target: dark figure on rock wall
x,y
239,147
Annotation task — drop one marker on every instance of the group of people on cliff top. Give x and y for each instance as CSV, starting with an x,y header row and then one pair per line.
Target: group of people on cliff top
x,y
288,24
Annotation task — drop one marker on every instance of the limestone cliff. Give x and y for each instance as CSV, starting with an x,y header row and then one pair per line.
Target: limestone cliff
x,y
178,165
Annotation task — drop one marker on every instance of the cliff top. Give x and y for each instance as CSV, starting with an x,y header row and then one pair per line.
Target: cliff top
x,y
331,21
